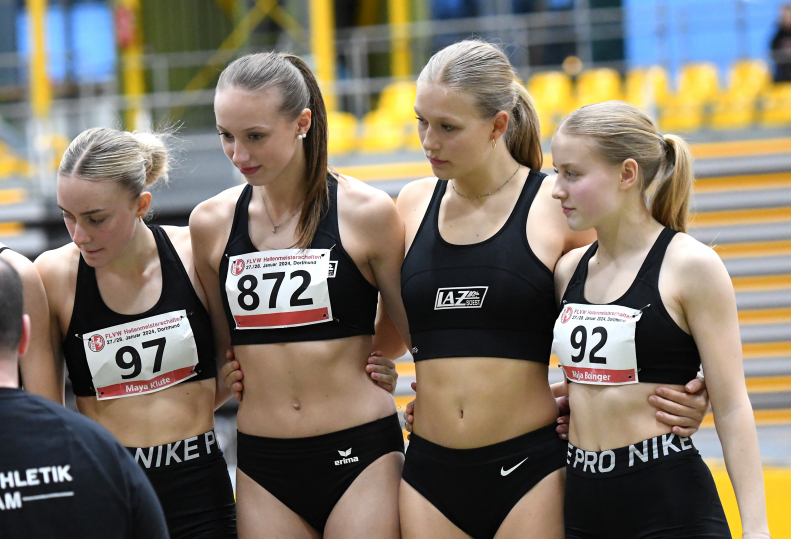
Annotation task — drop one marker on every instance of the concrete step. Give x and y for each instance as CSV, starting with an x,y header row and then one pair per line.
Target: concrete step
x,y
760,265
764,299
744,199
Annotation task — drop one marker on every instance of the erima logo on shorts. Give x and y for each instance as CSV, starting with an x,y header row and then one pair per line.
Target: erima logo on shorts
x,y
346,458
460,297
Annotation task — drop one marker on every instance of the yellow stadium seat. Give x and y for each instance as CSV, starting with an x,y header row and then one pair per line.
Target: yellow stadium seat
x,y
551,92
342,132
647,87
399,99
776,110
597,86
382,132
736,107
685,111
392,124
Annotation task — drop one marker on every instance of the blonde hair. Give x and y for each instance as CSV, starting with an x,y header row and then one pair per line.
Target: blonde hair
x,y
299,90
621,131
133,160
482,70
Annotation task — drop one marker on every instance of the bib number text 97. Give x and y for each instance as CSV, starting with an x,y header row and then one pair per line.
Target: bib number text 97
x,y
135,361
249,283
579,340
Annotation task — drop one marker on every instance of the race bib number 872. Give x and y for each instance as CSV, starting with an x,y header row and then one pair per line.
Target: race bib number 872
x,y
141,357
595,343
279,289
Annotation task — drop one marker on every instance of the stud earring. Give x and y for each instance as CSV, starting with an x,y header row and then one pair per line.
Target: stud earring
x,y
301,136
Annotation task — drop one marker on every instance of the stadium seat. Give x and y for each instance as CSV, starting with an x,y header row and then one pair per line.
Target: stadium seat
x,y
399,98
686,110
552,93
776,109
342,132
382,132
647,88
392,125
598,85
736,107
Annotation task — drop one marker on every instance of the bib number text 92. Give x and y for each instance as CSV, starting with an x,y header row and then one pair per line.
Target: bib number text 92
x,y
579,340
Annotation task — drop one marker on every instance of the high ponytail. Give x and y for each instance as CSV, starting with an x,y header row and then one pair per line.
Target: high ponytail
x,y
299,90
482,70
670,202
621,131
524,131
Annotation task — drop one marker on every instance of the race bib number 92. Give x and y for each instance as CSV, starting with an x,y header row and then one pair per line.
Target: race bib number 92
x,y
141,357
595,343
279,289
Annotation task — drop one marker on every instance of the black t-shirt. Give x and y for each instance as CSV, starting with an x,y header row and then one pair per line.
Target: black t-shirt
x,y
63,475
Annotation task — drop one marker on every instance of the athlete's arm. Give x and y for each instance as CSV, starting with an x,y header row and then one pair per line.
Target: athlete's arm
x,y
377,226
41,374
709,305
387,339
206,251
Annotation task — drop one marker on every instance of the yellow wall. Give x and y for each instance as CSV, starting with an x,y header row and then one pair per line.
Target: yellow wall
x,y
778,500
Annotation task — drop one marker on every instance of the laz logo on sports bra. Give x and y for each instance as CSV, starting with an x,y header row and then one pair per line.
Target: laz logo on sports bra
x,y
279,289
460,297
595,343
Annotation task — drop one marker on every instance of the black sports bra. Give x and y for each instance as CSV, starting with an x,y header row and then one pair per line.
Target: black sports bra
x,y
91,316
489,299
352,299
666,354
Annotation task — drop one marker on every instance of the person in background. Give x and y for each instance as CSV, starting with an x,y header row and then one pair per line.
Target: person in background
x,y
781,46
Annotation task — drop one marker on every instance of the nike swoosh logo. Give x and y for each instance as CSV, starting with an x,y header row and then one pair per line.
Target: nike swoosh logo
x,y
505,472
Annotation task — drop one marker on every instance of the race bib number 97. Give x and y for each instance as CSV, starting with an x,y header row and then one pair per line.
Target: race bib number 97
x,y
595,343
141,357
279,289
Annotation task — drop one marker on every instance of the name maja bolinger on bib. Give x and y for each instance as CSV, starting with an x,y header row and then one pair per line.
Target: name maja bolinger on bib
x,y
595,343
279,289
141,357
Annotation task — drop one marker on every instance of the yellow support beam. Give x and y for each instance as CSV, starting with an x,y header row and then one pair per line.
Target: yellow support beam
x,y
130,41
400,55
322,44
40,91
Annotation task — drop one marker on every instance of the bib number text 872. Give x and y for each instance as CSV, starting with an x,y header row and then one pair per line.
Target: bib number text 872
x,y
249,300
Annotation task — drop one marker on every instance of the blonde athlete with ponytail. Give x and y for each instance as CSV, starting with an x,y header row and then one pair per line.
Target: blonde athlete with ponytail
x,y
643,306
482,241
292,263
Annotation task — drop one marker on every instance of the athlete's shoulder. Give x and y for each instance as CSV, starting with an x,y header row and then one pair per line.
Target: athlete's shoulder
x,y
417,192
219,206
23,266
179,235
362,202
565,267
695,261
360,192
58,265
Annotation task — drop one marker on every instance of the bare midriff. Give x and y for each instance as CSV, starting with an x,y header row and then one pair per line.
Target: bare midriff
x,y
173,414
609,417
472,402
301,389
